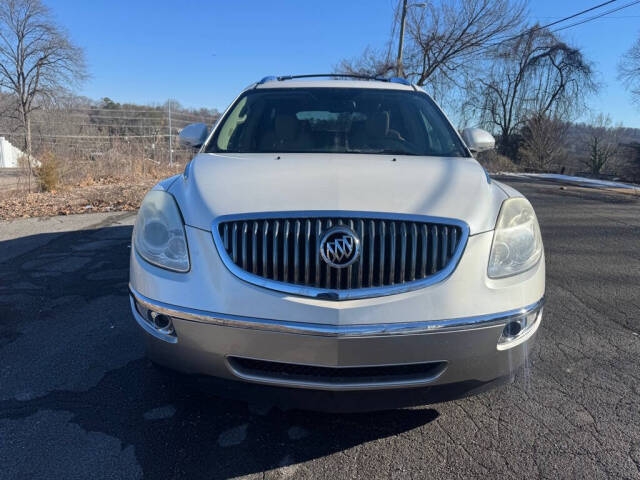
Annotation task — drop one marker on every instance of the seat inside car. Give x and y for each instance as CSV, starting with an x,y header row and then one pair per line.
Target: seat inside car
x,y
287,134
374,132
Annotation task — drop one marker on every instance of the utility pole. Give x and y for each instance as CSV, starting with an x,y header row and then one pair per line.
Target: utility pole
x,y
403,19
170,143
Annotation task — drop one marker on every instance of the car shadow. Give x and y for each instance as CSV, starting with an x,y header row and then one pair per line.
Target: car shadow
x,y
70,345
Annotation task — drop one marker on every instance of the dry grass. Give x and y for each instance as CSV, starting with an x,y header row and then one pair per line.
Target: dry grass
x,y
81,199
48,173
114,182
494,162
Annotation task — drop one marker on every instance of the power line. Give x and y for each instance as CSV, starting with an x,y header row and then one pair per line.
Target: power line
x,y
564,19
616,17
547,25
578,14
503,39
595,17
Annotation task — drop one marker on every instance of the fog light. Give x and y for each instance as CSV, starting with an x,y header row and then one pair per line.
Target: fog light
x,y
154,323
512,329
519,329
161,322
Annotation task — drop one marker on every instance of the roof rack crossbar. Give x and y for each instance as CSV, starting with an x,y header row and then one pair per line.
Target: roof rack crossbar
x,y
281,78
333,75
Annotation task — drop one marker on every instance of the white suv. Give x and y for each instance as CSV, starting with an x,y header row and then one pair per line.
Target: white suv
x,y
338,235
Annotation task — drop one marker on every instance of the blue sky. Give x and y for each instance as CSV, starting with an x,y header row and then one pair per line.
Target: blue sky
x,y
203,53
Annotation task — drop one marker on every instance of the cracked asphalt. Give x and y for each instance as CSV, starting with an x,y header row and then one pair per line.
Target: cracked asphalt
x,y
78,398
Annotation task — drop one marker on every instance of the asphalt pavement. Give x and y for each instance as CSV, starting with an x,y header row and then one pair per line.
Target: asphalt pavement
x,y
78,398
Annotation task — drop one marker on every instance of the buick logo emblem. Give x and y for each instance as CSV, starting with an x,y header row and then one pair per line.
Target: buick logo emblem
x,y
339,247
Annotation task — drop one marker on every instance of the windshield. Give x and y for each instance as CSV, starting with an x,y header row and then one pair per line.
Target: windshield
x,y
336,120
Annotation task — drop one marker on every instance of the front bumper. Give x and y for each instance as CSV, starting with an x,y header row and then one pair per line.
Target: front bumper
x,y
330,357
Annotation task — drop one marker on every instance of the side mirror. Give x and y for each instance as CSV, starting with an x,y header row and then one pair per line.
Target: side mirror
x,y
478,140
193,135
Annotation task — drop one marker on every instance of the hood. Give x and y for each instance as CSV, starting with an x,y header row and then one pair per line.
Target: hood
x,y
218,185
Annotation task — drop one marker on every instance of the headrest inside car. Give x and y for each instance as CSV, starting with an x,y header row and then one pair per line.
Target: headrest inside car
x,y
378,124
286,127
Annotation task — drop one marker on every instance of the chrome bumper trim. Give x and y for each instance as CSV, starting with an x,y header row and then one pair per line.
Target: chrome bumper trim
x,y
148,328
300,328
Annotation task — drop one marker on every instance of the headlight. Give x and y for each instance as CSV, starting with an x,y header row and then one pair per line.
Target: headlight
x,y
158,234
517,243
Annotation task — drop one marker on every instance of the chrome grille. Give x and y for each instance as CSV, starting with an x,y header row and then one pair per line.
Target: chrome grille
x,y
282,251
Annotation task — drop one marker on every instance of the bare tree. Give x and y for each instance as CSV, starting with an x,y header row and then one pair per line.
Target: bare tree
x,y
533,75
629,70
371,62
603,145
543,141
442,38
37,58
445,36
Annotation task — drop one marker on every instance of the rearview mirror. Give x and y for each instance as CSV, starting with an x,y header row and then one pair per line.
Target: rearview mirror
x,y
478,140
193,135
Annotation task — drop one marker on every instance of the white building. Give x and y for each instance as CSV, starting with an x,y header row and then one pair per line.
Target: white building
x,y
9,155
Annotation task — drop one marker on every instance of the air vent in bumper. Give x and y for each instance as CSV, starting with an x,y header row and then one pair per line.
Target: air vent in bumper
x,y
323,377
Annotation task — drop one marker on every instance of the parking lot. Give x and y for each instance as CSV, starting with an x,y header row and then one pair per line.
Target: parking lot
x,y
78,399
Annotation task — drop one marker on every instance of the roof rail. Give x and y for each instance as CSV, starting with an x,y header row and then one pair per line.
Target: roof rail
x,y
333,75
400,80
281,78
269,78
